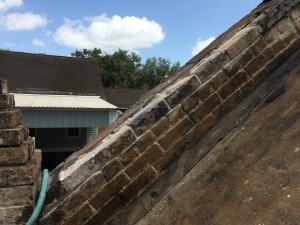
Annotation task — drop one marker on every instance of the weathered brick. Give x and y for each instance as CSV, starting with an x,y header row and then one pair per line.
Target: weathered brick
x,y
112,168
207,107
81,216
159,128
258,46
17,196
129,154
268,53
260,22
105,212
190,103
119,182
256,64
116,146
205,91
274,16
178,92
149,156
240,41
6,101
228,104
10,119
175,133
211,65
15,214
169,156
102,196
14,155
13,136
148,116
78,198
247,87
295,15
176,115
231,68
19,175
218,80
3,87
200,129
145,141
137,185
260,76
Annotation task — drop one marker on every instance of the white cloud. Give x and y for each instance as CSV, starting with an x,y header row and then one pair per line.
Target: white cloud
x,y
22,21
38,43
8,4
109,34
201,44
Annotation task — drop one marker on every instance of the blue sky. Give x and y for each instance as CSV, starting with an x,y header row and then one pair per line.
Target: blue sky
x,y
171,29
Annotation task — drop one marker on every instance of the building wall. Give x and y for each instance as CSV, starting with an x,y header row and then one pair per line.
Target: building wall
x,y
66,118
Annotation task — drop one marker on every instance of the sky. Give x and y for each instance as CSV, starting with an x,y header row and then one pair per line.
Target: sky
x,y
175,30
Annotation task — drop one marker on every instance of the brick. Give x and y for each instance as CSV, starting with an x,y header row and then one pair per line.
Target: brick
x,y
119,181
3,87
218,80
17,196
149,156
271,35
13,136
260,76
258,46
274,16
7,101
207,107
116,146
256,64
159,128
10,119
295,15
14,155
190,103
148,116
175,133
102,196
228,104
112,168
210,66
181,90
78,197
231,68
145,141
205,91
176,115
247,87
168,157
268,53
81,216
15,214
137,185
200,129
106,212
129,155
240,41
260,22
19,175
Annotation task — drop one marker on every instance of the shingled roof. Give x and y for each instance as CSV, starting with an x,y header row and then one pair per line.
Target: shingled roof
x,y
217,143
45,74
123,98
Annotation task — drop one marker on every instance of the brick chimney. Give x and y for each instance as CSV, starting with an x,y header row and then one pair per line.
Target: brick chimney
x,y
20,163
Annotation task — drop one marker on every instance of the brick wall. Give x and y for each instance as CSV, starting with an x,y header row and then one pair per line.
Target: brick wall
x,y
19,163
94,185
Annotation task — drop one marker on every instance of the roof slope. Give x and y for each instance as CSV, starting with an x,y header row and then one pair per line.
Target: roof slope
x,y
38,73
137,156
123,98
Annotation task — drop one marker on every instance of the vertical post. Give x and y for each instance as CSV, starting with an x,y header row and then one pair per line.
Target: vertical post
x,y
20,163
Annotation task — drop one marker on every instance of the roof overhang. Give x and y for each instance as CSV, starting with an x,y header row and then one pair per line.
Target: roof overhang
x,y
44,101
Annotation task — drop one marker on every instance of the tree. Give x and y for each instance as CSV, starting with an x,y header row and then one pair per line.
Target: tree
x,y
124,69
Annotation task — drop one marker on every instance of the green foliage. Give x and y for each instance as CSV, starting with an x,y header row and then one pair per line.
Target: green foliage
x,y
124,69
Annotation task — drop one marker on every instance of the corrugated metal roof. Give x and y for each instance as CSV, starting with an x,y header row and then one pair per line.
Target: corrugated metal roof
x,y
61,101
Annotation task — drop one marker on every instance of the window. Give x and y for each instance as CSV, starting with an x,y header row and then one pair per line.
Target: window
x,y
73,133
